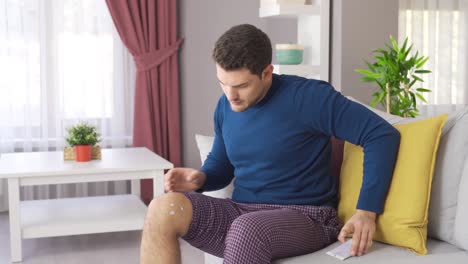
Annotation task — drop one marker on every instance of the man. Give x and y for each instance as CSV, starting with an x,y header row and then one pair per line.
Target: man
x,y
272,135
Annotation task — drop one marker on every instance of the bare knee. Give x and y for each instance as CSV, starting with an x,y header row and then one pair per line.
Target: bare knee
x,y
169,213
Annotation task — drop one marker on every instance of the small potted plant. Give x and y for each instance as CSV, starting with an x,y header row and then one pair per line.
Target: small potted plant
x,y
82,137
396,71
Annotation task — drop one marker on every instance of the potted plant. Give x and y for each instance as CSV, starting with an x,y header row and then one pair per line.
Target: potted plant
x,y
396,72
82,137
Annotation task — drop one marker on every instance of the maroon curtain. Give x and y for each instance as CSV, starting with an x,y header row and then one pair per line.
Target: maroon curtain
x,y
148,28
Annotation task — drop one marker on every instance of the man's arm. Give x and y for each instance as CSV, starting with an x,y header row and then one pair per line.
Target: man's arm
x,y
217,167
326,111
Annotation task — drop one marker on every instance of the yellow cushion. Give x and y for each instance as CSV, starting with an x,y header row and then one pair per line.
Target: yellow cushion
x,y
404,220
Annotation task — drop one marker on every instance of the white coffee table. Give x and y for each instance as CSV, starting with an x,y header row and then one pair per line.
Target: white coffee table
x,y
83,215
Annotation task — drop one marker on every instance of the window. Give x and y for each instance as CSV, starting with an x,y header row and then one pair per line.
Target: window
x,y
438,29
62,61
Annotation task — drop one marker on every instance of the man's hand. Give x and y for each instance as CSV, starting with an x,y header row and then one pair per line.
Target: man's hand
x,y
362,226
183,180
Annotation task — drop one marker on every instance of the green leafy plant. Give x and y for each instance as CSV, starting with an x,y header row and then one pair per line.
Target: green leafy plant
x,y
396,73
82,134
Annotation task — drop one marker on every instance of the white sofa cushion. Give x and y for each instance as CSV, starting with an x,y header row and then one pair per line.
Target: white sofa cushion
x,y
451,156
204,144
461,221
438,252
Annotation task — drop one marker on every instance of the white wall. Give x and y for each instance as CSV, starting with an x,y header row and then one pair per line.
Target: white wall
x,y
358,27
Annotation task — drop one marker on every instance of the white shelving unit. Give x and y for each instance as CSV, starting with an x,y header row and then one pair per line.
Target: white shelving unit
x,y
313,32
304,70
288,10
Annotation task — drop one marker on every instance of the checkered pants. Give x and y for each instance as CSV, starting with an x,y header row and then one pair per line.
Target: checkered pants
x,y
259,233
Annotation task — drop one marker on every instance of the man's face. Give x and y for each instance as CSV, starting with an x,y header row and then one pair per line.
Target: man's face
x,y
242,88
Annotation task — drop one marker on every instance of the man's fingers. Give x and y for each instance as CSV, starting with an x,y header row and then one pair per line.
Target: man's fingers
x,y
369,238
167,181
346,230
167,176
191,177
369,245
363,242
369,241
356,240
170,180
342,236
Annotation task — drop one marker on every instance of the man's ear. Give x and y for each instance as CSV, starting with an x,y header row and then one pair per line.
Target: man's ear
x,y
267,72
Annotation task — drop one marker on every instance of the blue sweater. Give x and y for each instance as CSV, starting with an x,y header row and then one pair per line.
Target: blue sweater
x,y
279,149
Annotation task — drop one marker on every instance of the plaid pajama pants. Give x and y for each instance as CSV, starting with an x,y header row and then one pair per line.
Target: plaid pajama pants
x,y
244,233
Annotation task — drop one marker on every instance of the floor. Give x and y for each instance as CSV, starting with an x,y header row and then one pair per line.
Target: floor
x,y
115,248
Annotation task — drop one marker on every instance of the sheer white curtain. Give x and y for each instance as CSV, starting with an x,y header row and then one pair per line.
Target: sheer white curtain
x,y
61,62
439,29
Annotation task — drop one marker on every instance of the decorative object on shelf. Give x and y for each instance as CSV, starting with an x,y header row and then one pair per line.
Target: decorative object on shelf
x,y
82,138
396,73
313,19
289,54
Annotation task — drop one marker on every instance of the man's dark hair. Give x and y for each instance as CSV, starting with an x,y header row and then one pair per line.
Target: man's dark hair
x,y
243,46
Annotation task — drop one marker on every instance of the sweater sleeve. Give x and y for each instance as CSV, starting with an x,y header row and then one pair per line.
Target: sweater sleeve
x,y
217,167
326,111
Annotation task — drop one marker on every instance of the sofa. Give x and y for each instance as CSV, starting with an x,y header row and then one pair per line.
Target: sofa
x,y
448,210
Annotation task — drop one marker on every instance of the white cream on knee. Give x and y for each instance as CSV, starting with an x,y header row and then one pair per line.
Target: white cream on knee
x,y
172,212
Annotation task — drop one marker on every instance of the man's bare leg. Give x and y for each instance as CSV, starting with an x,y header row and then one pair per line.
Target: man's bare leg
x,y
168,218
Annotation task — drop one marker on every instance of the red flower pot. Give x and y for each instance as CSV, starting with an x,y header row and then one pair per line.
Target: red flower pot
x,y
82,153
